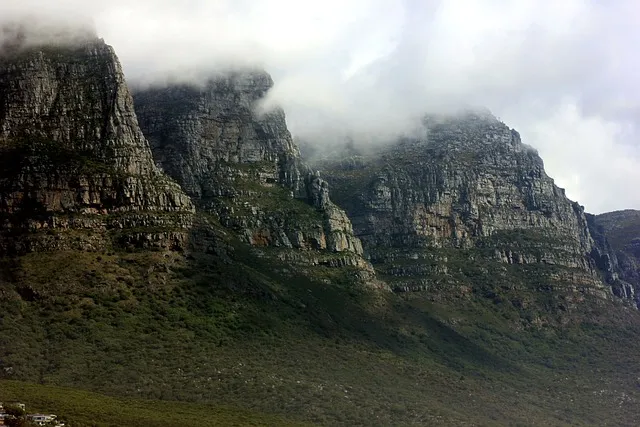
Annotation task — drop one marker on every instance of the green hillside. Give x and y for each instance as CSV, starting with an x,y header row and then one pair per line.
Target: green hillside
x,y
490,344
80,408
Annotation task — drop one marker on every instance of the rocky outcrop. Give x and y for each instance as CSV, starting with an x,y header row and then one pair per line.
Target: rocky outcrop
x,y
318,191
200,134
618,239
242,165
73,156
468,182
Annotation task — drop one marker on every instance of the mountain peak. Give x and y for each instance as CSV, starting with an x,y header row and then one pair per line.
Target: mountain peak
x,y
70,144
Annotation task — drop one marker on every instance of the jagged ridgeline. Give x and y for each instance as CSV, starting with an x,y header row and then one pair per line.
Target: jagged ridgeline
x,y
465,194
185,251
242,166
76,171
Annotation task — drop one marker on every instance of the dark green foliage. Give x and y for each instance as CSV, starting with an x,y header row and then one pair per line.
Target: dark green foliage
x,y
488,344
51,158
83,409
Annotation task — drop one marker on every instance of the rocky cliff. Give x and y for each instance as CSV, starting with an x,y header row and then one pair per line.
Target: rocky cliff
x,y
618,235
264,308
468,182
75,166
242,165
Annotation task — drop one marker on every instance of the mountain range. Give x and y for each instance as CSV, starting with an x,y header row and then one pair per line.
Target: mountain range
x,y
174,242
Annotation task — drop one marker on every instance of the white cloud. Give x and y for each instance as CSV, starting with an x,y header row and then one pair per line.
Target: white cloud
x,y
561,72
586,157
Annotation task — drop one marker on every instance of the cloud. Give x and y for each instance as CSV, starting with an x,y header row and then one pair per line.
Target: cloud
x,y
21,25
562,73
587,160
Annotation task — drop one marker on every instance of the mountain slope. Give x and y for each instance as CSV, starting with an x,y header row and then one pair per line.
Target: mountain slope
x,y
80,408
243,167
261,298
242,331
622,231
469,187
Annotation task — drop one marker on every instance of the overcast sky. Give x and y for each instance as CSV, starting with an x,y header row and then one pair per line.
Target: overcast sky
x,y
563,73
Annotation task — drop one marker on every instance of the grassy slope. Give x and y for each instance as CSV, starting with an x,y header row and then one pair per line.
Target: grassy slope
x,y
82,408
253,334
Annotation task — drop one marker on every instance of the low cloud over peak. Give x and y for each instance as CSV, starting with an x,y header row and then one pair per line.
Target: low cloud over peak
x,y
21,26
561,73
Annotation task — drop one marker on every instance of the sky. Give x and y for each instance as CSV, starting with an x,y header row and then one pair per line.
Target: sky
x,y
563,73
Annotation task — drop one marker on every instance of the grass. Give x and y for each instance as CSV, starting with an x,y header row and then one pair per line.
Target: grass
x,y
81,408
276,201
313,345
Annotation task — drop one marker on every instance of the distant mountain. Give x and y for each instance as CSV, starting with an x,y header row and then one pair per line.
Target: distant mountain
x,y
622,231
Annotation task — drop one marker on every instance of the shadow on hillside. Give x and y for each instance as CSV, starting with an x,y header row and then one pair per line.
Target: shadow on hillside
x,y
274,303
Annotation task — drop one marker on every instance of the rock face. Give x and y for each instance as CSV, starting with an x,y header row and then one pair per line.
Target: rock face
x,y
618,237
196,132
73,156
78,170
242,165
468,182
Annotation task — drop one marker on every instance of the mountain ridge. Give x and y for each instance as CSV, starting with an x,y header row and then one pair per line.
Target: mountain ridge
x,y
469,182
74,159
239,277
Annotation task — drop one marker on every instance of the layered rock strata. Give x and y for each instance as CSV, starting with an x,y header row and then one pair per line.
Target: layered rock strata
x,y
241,164
467,183
73,156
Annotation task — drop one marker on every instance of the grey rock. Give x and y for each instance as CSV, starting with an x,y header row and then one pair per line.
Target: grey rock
x,y
200,135
318,191
468,182
234,160
617,235
71,146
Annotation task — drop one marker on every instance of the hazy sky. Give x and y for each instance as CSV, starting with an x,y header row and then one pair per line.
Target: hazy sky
x,y
563,73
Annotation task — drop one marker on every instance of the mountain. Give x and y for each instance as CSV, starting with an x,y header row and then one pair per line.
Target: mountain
x,y
74,161
175,246
230,159
621,230
467,184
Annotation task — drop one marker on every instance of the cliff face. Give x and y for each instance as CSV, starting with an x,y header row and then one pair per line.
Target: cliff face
x,y
73,156
197,131
467,183
241,165
619,234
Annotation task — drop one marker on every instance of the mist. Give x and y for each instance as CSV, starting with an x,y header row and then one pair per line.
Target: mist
x,y
561,73
24,25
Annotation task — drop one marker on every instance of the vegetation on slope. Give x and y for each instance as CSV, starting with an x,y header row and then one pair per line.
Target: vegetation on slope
x,y
621,228
79,408
240,327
